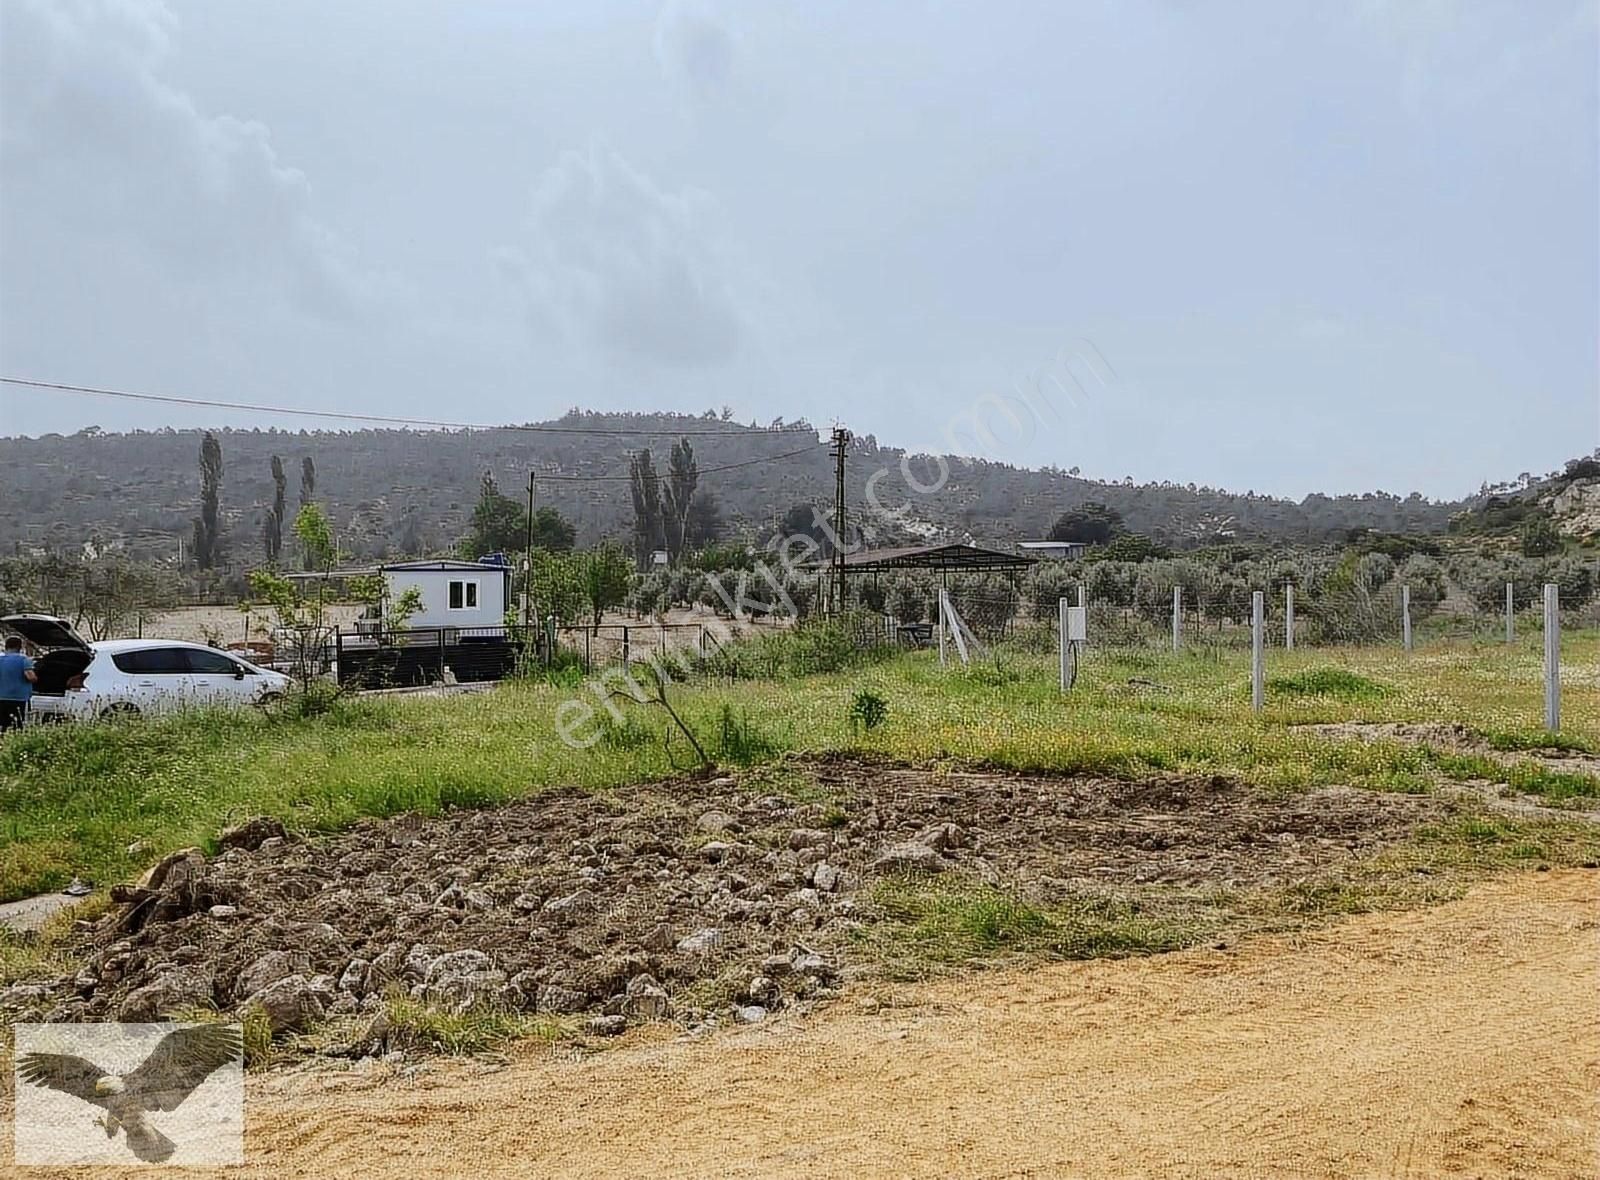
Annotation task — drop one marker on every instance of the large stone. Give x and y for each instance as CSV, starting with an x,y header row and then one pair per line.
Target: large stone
x,y
646,999
910,857
701,942
573,906
658,938
813,966
463,979
750,1014
268,969
559,999
714,823
290,1005
803,838
942,837
388,966
606,1026
763,990
175,870
353,978
181,987
252,833
778,966
520,993
825,877
419,959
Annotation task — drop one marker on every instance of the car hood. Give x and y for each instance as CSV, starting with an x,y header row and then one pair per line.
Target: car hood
x,y
46,631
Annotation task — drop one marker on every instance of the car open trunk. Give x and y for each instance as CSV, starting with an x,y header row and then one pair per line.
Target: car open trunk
x,y
65,653
55,669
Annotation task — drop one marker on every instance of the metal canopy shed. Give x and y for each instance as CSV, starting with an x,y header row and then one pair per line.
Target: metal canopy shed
x,y
939,558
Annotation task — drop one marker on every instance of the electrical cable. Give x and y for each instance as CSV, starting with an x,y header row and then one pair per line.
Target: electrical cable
x,y
431,423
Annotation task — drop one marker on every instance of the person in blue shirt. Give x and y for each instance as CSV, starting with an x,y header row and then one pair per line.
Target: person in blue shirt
x,y
17,679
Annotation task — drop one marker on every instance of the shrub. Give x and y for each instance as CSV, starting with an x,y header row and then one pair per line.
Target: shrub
x,y
868,710
1539,536
1328,682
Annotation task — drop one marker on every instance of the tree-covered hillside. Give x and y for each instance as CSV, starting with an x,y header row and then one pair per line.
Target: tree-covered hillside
x,y
412,492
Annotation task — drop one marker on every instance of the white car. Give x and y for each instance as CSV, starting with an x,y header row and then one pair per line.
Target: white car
x,y
125,677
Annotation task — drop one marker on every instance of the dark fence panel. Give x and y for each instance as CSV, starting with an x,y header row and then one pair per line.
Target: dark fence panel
x,y
419,656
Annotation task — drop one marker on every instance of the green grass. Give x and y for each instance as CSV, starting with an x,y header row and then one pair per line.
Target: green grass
x,y
74,798
420,1026
923,925
1328,681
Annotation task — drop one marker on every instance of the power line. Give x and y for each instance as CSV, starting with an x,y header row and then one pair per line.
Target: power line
x,y
432,423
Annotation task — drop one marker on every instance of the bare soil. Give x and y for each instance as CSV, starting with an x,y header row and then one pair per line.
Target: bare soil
x,y
1457,1041
572,895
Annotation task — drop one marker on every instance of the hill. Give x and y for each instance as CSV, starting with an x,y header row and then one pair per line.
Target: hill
x,y
1564,505
411,491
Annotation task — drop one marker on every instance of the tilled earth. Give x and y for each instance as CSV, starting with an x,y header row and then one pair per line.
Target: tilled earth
x,y
694,899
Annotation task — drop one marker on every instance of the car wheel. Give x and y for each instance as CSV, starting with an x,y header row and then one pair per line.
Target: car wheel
x,y
120,711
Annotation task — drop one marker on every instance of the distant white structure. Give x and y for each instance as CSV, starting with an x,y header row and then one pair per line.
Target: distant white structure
x,y
454,593
659,558
1053,550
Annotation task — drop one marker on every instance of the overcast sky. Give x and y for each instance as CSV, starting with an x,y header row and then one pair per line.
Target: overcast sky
x,y
1280,246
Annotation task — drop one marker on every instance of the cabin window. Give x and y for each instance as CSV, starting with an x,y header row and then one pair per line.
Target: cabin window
x,y
463,595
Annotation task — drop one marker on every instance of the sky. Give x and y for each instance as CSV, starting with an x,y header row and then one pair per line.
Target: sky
x,y
1282,247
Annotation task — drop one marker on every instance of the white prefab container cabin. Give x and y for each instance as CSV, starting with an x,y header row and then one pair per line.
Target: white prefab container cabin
x,y
454,593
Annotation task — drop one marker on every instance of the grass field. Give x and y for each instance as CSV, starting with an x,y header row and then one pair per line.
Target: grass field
x,y
102,801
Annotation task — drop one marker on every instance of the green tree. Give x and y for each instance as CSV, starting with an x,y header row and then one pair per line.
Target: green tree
x,y
314,531
558,586
552,531
272,531
704,524
1540,537
607,578
206,525
499,523
308,493
644,485
1091,522
683,477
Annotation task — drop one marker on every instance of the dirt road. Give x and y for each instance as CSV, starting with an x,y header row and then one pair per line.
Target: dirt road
x,y
1458,1041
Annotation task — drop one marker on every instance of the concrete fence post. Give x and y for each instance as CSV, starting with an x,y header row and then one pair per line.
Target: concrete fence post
x,y
1552,657
1288,616
1511,612
1405,615
1063,645
1258,683
1177,617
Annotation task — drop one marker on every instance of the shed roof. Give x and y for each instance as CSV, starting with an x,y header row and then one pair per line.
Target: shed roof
x,y
933,557
446,564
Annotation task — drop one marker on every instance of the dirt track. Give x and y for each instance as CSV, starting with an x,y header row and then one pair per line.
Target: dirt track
x,y
1457,1041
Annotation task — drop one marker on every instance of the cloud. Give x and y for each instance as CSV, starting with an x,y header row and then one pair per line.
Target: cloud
x,y
693,49
96,147
631,271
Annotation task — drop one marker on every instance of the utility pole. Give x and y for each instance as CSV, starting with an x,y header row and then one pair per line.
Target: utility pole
x,y
841,440
527,565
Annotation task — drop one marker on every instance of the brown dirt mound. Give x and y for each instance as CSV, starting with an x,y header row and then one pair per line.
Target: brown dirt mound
x,y
671,895
1462,1040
